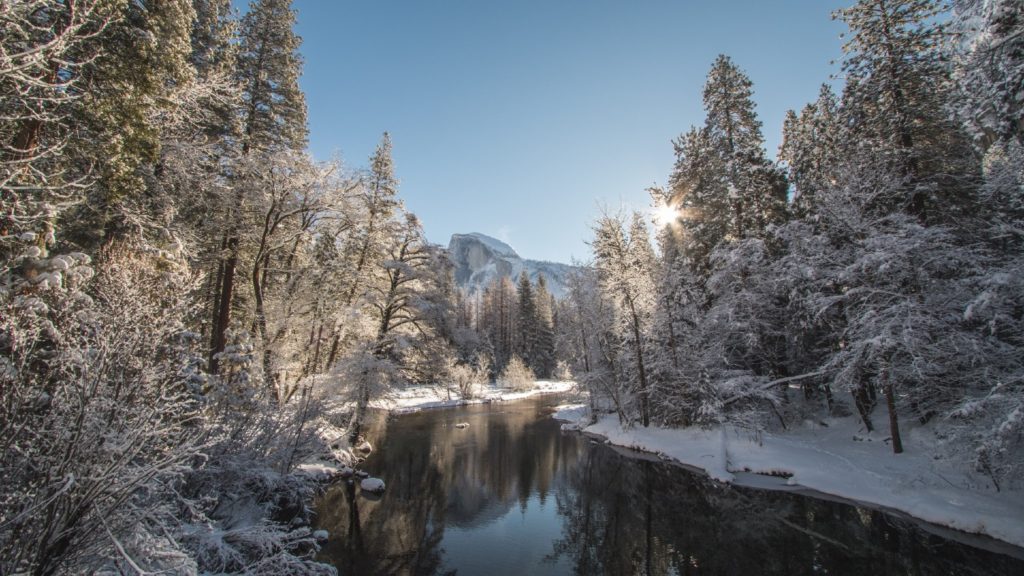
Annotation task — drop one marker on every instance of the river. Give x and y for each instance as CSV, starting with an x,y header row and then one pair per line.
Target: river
x,y
513,494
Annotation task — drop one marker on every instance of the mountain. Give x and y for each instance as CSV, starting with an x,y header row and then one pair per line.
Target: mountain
x,y
480,259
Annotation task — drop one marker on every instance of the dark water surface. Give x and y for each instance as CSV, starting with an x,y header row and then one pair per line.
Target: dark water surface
x,y
512,494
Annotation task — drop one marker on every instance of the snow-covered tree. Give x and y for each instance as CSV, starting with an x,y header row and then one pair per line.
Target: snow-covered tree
x,y
811,147
895,103
989,57
625,265
755,189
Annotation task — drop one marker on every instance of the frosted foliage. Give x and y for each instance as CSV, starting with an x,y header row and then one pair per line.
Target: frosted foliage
x,y
989,71
516,376
118,356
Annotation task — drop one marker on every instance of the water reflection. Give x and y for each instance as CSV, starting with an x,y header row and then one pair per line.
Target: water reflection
x,y
511,494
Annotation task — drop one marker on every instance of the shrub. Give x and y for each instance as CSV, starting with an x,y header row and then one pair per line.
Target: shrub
x,y
517,375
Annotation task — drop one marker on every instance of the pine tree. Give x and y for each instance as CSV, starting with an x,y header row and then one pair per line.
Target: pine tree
x,y
526,321
544,359
143,56
699,192
811,149
989,58
273,119
756,190
722,185
212,34
268,69
895,104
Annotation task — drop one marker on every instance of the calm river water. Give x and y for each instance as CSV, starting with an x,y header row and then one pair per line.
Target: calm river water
x,y
512,494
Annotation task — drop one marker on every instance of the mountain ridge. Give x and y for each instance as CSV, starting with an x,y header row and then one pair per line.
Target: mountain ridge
x,y
480,259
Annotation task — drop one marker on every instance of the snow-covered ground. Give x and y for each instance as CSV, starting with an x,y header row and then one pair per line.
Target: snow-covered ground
x,y
417,398
835,458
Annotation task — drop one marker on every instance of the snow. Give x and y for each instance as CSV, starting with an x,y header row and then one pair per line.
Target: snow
x,y
576,416
416,398
835,459
494,244
319,471
372,485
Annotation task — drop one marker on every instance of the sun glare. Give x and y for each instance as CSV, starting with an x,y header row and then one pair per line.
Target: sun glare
x,y
664,215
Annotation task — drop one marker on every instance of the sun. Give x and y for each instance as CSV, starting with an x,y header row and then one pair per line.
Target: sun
x,y
664,215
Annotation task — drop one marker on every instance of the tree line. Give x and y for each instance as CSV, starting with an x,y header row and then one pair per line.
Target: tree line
x,y
875,270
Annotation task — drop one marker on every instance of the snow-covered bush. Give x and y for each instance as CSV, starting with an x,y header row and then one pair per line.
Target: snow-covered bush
x,y
464,379
516,375
102,404
240,517
562,371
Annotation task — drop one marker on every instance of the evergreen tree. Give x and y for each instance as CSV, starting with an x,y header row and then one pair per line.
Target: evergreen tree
x,y
756,191
722,184
526,321
273,121
989,57
144,54
268,69
811,149
544,358
895,103
699,193
212,34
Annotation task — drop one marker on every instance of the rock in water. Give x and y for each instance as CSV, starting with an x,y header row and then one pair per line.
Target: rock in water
x,y
362,447
375,485
462,425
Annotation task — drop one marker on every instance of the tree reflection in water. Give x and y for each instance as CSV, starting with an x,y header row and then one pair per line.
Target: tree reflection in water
x,y
586,508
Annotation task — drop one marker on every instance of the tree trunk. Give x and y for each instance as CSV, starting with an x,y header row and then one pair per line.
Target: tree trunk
x,y
645,416
261,326
890,403
863,403
227,291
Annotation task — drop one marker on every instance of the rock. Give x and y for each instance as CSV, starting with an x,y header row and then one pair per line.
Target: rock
x,y
321,535
361,474
374,485
362,447
346,472
462,425
479,259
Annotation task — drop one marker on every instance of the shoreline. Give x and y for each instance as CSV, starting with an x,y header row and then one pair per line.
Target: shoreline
x,y
832,466
420,398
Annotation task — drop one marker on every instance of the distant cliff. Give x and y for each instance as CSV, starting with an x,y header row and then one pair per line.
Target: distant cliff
x,y
479,259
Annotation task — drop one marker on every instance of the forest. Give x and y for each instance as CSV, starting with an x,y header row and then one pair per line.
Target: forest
x,y
187,296
875,270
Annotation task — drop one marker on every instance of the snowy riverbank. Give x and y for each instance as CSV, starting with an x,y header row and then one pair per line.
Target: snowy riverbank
x,y
335,452
418,398
836,459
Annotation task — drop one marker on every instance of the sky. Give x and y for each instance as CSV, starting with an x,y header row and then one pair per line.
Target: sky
x,y
525,119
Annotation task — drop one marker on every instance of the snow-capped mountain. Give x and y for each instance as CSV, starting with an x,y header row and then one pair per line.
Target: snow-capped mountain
x,y
480,259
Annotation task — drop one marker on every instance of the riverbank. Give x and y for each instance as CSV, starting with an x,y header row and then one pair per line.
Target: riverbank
x,y
416,398
832,457
324,464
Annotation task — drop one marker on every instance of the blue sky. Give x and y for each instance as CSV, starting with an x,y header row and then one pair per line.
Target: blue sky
x,y
520,119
